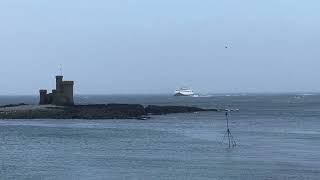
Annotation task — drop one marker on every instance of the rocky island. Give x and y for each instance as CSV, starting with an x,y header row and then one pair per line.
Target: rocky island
x,y
59,104
93,111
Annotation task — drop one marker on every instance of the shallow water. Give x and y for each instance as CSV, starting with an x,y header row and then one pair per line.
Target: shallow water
x,y
277,135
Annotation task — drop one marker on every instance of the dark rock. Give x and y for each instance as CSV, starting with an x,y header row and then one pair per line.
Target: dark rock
x,y
13,105
93,111
158,110
109,111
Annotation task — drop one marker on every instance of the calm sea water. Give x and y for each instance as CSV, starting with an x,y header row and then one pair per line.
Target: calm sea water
x,y
278,137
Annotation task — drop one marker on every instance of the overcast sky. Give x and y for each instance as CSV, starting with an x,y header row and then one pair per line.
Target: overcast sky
x,y
156,46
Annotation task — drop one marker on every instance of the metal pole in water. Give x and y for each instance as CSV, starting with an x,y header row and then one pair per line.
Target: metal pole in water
x,y
231,141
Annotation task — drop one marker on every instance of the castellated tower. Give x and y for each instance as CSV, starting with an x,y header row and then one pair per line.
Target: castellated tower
x,y
61,96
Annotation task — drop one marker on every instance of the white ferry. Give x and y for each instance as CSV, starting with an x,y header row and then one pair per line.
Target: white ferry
x,y
184,92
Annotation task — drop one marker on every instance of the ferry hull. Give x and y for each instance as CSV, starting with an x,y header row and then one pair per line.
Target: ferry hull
x,y
180,94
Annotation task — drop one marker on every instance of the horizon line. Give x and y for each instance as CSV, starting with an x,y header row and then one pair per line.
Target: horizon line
x,y
213,93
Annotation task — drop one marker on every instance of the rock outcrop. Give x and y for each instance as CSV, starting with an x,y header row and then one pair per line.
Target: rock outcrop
x,y
93,111
159,110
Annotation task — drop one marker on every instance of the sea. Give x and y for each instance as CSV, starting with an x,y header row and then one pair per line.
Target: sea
x,y
277,136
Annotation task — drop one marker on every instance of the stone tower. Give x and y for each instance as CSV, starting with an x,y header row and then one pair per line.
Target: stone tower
x,y
61,96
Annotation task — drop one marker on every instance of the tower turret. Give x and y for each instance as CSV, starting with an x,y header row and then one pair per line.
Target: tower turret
x,y
59,86
43,96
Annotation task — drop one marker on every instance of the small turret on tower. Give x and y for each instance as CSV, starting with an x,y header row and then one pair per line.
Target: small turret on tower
x,y
43,97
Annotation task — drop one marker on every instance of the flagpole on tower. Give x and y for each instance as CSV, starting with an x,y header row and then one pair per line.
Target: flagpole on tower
x,y
60,69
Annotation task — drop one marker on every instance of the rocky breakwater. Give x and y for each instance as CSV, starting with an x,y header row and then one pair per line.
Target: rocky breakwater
x,y
92,111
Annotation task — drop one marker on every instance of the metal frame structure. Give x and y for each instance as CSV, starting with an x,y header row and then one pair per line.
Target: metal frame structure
x,y
231,142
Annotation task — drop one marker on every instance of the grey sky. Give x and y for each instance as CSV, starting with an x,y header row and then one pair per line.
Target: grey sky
x,y
145,46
